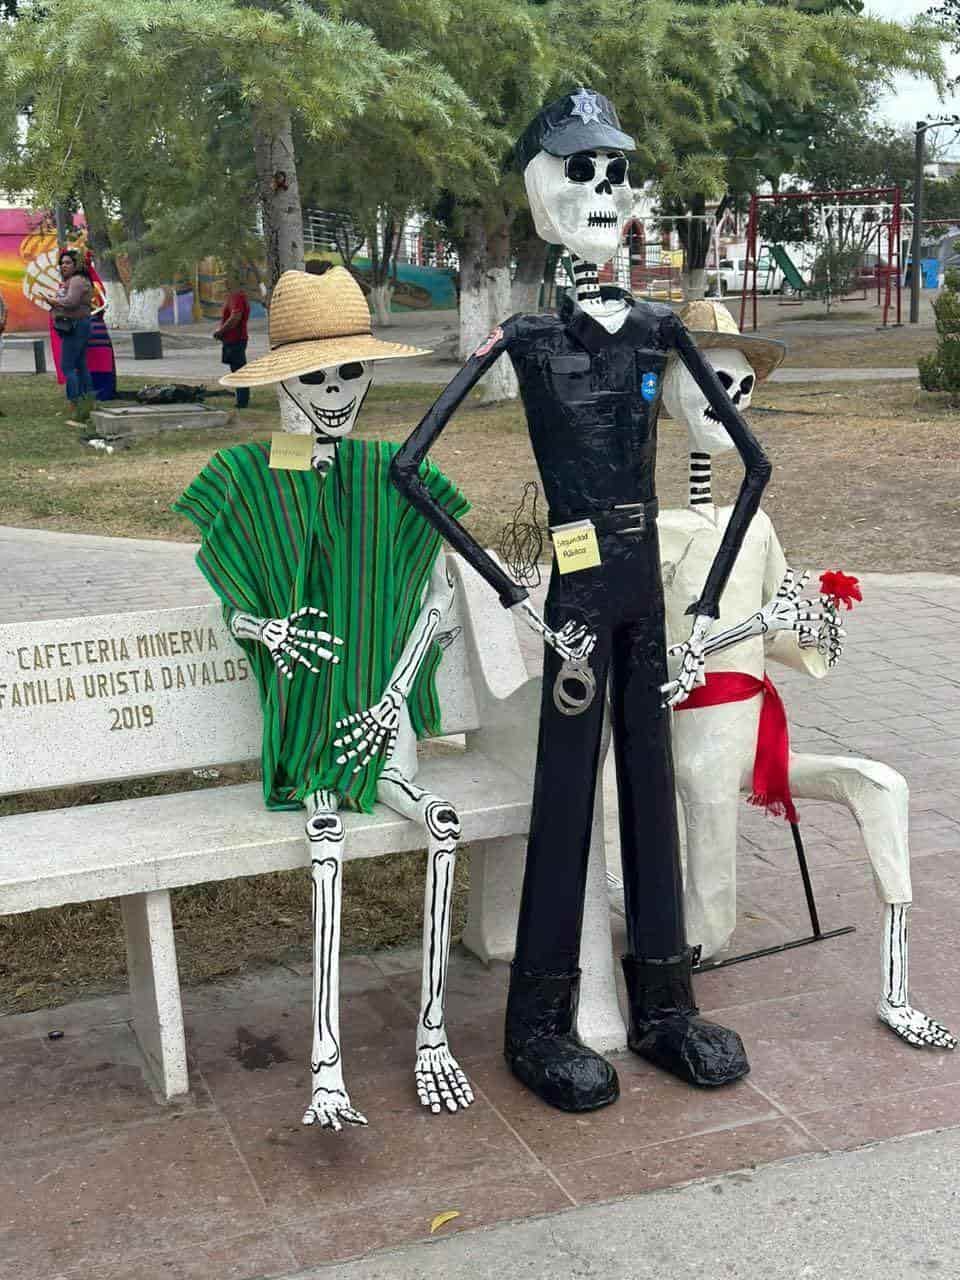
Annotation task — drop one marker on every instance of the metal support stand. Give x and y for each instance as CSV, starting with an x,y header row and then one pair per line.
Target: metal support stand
x,y
816,936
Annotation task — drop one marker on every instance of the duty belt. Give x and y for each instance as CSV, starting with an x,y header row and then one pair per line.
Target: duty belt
x,y
627,517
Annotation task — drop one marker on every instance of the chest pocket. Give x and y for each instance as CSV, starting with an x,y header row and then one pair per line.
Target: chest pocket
x,y
570,376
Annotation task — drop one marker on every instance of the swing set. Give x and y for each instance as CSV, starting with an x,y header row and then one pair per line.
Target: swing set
x,y
864,221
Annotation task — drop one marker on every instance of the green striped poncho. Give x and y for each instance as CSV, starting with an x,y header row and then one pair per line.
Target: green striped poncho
x,y
348,544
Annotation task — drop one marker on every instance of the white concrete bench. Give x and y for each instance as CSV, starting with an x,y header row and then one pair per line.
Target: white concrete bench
x,y
92,699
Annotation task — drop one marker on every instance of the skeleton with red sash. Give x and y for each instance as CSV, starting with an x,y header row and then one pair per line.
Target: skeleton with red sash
x,y
731,734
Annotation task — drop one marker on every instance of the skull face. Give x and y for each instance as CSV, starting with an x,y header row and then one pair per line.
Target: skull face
x,y
685,402
580,201
325,402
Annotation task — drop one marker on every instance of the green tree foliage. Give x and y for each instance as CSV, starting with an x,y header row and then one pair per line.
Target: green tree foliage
x,y
940,371
722,96
139,88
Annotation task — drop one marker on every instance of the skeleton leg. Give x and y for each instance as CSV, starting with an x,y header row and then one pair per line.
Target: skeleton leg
x,y
878,798
440,1081
329,1103
713,750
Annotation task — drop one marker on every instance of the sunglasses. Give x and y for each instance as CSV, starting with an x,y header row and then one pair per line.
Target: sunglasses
x,y
582,167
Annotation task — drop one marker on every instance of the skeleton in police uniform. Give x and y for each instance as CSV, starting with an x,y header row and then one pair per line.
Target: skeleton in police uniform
x,y
590,382
764,618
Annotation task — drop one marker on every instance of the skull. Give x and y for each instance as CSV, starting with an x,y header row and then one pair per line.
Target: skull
x,y
580,201
325,401
685,402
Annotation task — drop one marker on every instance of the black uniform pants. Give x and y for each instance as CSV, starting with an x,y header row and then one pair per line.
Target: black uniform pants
x,y
622,601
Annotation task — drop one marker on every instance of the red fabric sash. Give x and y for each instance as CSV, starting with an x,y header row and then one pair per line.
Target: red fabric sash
x,y
771,764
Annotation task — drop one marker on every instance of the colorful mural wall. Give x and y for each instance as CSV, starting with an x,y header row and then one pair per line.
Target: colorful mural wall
x,y
28,261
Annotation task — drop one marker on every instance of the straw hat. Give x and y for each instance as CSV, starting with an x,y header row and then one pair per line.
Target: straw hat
x,y
316,321
710,324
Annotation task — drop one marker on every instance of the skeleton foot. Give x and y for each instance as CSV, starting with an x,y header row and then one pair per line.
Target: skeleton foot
x,y
915,1027
331,1109
440,1082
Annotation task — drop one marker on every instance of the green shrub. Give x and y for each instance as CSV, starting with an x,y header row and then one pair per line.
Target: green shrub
x,y
940,371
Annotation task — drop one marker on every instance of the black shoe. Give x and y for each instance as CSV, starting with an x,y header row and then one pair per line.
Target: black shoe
x,y
666,1029
544,1052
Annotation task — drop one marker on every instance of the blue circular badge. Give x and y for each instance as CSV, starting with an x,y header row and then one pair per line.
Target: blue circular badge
x,y
649,384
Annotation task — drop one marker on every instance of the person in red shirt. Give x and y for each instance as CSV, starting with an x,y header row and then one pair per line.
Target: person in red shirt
x,y
233,335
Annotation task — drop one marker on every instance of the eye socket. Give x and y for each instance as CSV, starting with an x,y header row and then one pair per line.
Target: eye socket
x,y
617,171
350,371
746,386
579,167
725,379
313,379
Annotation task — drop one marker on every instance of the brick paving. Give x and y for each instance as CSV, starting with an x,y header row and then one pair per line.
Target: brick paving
x,y
230,1186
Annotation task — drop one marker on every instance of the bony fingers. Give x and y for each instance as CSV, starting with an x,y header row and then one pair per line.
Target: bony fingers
x,y
306,609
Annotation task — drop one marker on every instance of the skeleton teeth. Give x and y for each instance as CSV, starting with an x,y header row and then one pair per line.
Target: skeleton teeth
x,y
602,220
333,418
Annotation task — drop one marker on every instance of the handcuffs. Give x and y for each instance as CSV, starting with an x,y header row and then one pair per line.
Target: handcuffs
x,y
574,671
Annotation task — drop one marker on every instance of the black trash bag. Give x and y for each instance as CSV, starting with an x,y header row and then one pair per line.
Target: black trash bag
x,y
170,393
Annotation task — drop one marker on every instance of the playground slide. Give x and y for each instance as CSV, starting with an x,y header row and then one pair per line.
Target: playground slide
x,y
790,273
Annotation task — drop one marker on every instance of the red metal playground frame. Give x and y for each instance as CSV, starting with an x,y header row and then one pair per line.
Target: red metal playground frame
x,y
888,274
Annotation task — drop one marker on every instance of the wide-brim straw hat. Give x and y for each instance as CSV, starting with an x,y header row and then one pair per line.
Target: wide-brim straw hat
x,y
316,321
710,324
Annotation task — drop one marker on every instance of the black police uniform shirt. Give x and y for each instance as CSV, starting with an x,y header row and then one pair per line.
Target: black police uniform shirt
x,y
592,399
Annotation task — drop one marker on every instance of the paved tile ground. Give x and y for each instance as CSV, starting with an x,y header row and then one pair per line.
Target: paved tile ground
x,y
97,1180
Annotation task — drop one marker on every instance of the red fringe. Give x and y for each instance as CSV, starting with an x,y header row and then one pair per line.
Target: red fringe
x,y
777,808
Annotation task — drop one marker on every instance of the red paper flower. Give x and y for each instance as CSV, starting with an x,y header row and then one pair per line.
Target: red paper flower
x,y
842,588
489,342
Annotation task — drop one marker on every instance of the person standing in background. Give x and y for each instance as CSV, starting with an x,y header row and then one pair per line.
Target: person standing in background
x,y
100,360
70,320
233,335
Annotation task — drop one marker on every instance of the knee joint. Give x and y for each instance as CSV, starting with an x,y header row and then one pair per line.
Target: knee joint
x,y
442,820
325,828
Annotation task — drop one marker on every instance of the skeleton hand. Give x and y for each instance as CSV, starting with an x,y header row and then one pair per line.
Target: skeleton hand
x,y
440,1080
829,638
371,730
289,643
692,656
573,641
331,1109
915,1027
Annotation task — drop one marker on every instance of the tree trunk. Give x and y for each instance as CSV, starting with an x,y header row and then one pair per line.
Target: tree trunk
x,y
380,295
694,284
145,300
500,382
695,239
144,312
531,254
474,282
383,236
117,311
279,193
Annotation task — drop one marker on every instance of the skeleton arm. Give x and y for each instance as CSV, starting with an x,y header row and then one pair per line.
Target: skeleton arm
x,y
367,732
286,640
793,648
570,642
757,472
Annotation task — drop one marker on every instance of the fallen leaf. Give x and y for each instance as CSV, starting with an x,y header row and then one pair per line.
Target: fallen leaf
x,y
443,1218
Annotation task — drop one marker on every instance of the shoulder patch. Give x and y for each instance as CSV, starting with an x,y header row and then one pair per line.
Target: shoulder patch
x,y
489,342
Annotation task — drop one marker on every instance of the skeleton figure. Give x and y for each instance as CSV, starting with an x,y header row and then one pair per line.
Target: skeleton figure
x,y
715,744
590,379
338,489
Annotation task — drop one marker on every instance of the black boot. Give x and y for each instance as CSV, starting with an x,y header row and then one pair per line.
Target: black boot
x,y
665,1027
544,1052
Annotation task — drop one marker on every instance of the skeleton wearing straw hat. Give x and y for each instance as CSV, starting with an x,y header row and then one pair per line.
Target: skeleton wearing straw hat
x,y
590,382
334,587
731,733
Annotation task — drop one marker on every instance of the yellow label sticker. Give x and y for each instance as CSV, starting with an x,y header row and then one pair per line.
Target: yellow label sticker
x,y
290,451
576,546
